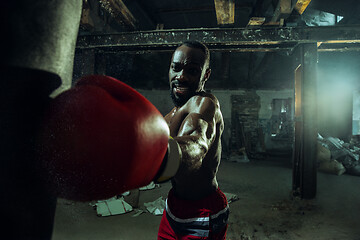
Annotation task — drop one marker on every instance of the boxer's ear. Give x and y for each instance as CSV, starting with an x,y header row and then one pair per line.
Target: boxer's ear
x,y
207,74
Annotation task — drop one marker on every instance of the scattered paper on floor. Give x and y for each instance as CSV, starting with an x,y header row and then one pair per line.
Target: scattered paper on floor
x,y
127,193
112,206
152,185
156,207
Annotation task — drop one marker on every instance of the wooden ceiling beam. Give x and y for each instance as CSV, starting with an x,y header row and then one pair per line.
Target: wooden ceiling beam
x,y
282,10
118,10
195,9
301,5
225,11
223,38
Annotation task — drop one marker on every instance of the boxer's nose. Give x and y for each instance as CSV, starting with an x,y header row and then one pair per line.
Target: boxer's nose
x,y
181,76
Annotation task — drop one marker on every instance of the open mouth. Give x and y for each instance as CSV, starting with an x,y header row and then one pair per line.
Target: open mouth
x,y
181,90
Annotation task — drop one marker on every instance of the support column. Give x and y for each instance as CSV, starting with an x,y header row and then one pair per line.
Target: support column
x,y
305,147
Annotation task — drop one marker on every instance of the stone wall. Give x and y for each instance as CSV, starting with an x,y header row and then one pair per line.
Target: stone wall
x,y
245,122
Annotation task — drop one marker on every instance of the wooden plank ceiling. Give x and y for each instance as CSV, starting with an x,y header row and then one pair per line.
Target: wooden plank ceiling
x,y
141,15
176,19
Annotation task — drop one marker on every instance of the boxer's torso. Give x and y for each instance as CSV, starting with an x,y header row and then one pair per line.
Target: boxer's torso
x,y
196,183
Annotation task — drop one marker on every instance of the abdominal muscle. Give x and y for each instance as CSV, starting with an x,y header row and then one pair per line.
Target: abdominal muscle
x,y
194,188
194,185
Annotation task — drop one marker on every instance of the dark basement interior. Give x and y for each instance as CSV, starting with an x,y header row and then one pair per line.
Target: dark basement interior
x,y
287,76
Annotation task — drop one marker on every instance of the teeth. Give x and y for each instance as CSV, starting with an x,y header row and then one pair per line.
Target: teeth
x,y
181,88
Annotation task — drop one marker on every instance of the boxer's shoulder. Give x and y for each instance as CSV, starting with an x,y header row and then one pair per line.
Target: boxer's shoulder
x,y
197,100
203,103
208,105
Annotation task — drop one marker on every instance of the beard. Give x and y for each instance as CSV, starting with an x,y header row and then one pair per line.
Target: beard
x,y
180,99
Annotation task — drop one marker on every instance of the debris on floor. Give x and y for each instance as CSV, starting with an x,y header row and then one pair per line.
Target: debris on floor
x,y
156,207
336,156
123,203
112,206
152,185
126,202
138,212
231,197
332,166
326,164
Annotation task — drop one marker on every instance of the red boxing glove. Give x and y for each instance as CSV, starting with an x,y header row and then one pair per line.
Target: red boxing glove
x,y
102,138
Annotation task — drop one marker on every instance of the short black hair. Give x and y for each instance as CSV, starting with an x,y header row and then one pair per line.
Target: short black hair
x,y
202,47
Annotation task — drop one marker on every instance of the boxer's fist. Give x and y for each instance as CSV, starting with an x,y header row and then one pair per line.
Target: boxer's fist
x,y
102,138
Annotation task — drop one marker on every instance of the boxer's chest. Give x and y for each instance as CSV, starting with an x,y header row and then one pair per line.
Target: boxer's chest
x,y
175,119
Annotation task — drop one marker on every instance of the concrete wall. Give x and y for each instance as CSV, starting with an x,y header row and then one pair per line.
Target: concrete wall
x,y
161,99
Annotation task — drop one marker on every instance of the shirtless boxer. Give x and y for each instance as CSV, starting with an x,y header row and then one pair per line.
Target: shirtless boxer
x,y
195,208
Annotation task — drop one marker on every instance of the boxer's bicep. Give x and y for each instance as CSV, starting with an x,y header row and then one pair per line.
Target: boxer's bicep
x,y
195,136
200,120
196,128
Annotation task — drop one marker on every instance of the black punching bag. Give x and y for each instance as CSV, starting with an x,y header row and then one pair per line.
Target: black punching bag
x,y
37,53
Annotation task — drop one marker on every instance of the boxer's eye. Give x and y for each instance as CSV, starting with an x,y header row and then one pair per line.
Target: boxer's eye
x,y
176,67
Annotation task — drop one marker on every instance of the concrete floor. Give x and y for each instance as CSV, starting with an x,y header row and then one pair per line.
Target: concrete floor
x,y
264,209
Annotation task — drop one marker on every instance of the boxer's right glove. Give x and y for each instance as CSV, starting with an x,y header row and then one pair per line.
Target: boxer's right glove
x,y
102,138
171,162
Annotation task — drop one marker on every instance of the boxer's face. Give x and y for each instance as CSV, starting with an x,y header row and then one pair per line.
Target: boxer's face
x,y
186,74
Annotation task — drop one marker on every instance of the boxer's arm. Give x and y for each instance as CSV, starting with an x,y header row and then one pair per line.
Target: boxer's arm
x,y
196,134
